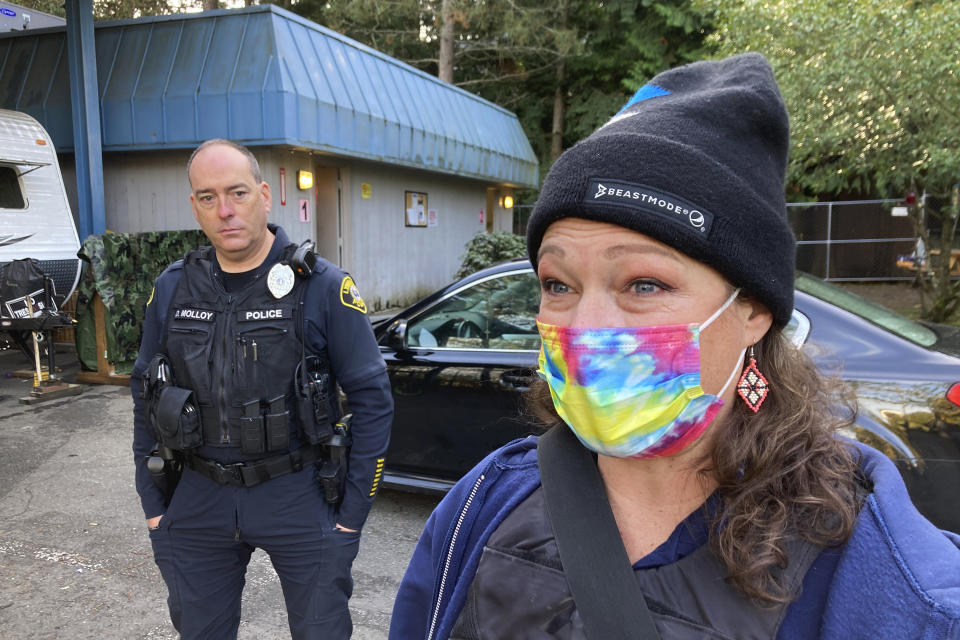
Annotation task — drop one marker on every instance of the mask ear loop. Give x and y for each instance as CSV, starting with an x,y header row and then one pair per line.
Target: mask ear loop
x,y
733,374
716,314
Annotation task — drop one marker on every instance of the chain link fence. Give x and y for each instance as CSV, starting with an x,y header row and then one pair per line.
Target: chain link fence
x,y
842,241
854,240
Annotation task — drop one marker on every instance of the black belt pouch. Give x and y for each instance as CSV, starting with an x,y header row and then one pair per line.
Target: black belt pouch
x,y
251,429
278,425
178,421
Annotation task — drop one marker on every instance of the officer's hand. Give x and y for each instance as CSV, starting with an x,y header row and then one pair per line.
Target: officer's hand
x,y
340,527
154,522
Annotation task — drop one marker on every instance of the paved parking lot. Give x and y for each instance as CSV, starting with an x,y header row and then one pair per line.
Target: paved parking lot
x,y
75,560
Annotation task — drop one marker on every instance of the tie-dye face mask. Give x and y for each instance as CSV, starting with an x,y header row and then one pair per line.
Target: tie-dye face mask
x,y
630,392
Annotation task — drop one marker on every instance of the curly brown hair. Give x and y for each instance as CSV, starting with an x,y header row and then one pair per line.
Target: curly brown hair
x,y
782,473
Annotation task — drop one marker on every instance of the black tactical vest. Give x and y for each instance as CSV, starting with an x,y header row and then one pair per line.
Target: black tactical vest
x,y
238,353
519,590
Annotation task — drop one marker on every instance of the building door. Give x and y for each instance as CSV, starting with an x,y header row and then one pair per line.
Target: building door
x,y
329,215
491,208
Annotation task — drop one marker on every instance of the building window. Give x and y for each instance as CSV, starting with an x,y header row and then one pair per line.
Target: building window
x,y
11,194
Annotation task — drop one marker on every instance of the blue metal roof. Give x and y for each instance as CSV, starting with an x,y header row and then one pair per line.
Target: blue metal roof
x,y
264,76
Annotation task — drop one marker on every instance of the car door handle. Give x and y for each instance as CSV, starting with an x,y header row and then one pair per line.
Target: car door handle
x,y
519,379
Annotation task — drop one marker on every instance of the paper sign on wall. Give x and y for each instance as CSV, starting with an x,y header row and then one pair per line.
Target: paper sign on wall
x,y
304,210
365,190
415,209
432,218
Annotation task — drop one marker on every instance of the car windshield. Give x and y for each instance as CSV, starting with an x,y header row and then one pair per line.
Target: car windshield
x,y
498,312
878,315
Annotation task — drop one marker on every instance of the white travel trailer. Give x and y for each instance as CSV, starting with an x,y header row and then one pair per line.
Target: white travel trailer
x,y
35,217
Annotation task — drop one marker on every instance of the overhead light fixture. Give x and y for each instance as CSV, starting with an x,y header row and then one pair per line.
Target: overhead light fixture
x,y
304,179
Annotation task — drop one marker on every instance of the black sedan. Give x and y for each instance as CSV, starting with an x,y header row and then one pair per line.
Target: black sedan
x,y
461,358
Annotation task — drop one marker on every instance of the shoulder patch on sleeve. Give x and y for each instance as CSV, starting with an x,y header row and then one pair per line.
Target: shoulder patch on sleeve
x,y
350,295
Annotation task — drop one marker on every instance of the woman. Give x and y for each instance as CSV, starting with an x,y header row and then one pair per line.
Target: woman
x,y
666,266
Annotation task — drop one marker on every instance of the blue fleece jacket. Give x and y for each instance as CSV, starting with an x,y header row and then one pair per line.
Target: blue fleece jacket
x,y
898,577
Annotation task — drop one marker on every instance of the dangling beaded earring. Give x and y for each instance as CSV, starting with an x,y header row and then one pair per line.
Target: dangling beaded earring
x,y
753,387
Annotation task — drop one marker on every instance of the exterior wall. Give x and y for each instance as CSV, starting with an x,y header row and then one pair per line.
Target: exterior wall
x,y
141,191
149,191
503,218
288,215
393,264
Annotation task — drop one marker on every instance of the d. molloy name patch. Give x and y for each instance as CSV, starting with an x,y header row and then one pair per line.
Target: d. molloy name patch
x,y
194,314
642,198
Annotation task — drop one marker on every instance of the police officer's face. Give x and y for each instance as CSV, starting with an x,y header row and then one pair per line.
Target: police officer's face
x,y
230,206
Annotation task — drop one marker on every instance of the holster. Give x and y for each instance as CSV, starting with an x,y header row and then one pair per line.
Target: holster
x,y
165,468
313,380
332,468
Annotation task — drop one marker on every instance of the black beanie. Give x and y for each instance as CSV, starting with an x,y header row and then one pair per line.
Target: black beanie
x,y
696,159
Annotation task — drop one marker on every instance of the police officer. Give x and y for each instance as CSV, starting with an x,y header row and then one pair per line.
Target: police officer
x,y
243,345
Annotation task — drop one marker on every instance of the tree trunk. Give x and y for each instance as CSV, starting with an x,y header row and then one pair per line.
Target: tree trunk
x,y
946,300
556,133
210,5
445,70
559,92
939,295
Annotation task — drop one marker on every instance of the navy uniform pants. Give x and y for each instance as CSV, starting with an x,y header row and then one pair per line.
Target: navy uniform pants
x,y
204,541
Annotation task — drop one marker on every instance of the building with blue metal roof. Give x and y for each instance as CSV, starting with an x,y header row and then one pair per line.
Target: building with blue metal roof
x,y
14,17
406,168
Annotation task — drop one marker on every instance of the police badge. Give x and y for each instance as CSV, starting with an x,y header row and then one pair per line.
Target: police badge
x,y
280,280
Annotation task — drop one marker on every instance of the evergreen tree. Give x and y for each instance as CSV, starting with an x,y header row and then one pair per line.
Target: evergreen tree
x,y
564,68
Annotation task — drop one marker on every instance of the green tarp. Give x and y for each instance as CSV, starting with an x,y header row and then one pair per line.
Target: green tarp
x,y
121,267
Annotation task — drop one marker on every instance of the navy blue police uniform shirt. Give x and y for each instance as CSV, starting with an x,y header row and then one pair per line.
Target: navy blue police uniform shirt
x,y
333,327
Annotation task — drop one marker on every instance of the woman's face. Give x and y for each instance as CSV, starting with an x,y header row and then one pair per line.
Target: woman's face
x,y
595,274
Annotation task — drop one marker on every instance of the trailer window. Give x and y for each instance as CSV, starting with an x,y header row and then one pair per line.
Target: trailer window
x,y
11,195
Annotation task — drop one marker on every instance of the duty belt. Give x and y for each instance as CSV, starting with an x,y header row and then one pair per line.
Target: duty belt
x,y
250,474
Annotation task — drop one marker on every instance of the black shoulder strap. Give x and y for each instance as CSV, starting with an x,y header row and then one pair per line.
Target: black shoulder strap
x,y
594,559
288,253
200,253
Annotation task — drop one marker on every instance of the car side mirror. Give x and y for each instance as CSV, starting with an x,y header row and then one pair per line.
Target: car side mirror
x,y
397,335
